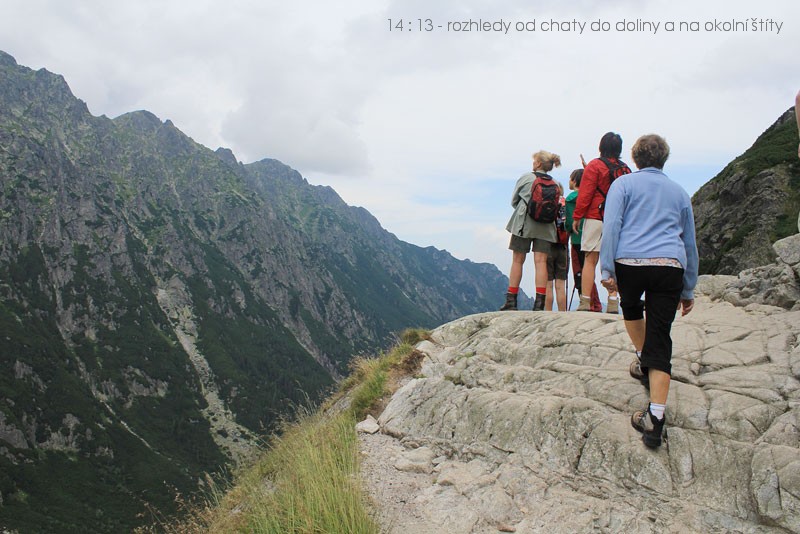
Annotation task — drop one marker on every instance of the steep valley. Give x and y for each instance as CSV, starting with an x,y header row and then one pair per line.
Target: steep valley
x,y
162,305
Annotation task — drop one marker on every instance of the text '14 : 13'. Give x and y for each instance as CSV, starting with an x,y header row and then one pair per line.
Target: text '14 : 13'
x,y
421,25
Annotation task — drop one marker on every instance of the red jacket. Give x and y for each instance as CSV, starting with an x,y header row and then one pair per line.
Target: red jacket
x,y
595,176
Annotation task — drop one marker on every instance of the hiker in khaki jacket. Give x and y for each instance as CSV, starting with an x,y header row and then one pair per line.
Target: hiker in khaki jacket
x,y
527,234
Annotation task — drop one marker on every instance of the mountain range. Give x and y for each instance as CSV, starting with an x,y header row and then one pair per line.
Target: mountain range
x,y
163,305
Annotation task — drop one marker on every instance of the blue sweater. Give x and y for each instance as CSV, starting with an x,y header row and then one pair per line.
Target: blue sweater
x,y
648,215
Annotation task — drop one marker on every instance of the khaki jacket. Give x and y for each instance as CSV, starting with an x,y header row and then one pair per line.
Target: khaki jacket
x,y
520,223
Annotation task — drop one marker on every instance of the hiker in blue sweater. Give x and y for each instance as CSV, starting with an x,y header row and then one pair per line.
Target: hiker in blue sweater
x,y
649,247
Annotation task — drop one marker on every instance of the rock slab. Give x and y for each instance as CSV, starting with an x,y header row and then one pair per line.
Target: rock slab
x,y
520,422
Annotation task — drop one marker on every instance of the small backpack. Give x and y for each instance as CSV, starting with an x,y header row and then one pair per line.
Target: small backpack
x,y
615,170
561,225
545,199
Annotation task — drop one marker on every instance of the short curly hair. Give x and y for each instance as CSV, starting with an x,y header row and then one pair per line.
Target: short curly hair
x,y
650,150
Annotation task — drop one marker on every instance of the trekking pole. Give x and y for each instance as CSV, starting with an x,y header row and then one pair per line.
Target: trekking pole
x,y
566,279
570,299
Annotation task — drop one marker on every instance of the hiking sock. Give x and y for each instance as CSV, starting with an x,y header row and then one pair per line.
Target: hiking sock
x,y
541,290
513,290
585,303
657,410
638,355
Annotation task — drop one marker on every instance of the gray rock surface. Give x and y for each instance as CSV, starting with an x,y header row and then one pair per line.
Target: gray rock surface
x,y
788,251
775,284
368,425
524,420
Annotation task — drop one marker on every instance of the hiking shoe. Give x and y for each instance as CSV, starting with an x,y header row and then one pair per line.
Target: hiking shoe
x,y
612,306
538,303
511,302
585,304
650,427
637,373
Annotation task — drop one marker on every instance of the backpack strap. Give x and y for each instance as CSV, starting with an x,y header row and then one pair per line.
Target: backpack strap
x,y
611,170
610,174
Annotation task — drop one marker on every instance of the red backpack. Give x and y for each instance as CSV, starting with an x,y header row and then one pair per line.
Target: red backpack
x,y
545,199
615,170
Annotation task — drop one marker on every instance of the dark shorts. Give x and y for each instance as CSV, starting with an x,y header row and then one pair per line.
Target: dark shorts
x,y
557,262
662,288
525,244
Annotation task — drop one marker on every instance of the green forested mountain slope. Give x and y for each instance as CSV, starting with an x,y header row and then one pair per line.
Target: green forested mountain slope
x,y
161,305
751,204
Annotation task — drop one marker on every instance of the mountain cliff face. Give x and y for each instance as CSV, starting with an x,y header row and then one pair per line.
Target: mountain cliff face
x,y
751,204
162,304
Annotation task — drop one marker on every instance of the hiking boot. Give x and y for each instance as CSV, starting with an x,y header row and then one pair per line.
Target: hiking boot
x,y
650,427
585,304
637,373
538,304
511,302
612,306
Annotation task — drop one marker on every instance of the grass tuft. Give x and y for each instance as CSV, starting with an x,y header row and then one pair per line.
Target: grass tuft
x,y
307,481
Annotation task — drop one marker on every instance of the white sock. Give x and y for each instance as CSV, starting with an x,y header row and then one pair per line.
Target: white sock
x,y
613,298
658,410
639,355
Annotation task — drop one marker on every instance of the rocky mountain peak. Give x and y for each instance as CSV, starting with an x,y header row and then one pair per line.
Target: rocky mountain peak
x,y
7,60
226,155
278,169
36,94
751,203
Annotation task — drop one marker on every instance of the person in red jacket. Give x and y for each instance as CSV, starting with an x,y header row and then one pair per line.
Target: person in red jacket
x,y
577,256
596,179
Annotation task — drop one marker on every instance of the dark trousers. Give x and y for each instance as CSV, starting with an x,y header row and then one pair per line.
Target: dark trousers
x,y
662,288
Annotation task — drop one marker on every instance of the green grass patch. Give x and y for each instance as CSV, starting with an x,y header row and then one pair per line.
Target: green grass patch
x,y
307,480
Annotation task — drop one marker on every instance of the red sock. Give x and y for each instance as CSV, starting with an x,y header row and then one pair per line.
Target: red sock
x,y
513,290
541,290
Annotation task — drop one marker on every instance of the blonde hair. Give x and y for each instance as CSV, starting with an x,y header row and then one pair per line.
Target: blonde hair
x,y
547,160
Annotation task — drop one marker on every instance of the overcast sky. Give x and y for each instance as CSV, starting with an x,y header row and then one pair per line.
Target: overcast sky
x,y
428,130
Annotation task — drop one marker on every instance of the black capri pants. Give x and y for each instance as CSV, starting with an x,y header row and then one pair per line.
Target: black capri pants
x,y
662,288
